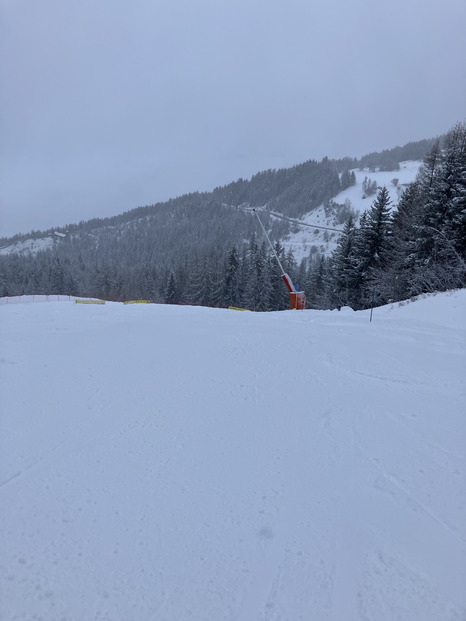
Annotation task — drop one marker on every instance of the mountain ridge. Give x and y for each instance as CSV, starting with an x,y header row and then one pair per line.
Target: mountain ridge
x,y
243,190
209,249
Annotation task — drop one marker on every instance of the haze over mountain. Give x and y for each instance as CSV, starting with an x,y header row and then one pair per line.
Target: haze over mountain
x,y
292,192
110,105
209,248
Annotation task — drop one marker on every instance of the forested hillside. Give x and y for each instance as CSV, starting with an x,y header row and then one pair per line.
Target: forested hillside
x,y
419,248
208,248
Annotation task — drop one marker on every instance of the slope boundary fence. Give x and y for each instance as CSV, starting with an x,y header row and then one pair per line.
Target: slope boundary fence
x,y
42,298
39,298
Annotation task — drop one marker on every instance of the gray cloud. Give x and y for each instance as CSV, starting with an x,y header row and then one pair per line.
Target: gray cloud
x,y
109,105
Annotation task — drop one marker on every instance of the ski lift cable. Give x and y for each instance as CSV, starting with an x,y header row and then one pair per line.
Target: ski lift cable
x,y
312,226
292,221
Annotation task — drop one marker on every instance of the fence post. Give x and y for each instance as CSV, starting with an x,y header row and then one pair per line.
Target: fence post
x,y
373,299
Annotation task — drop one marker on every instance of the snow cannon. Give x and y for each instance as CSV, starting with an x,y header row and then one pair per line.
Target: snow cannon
x,y
297,298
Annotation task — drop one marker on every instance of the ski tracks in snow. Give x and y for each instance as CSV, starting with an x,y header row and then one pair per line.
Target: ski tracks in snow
x,y
289,579
244,467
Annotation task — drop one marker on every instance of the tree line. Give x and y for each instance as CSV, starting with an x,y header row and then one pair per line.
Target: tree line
x,y
389,254
418,248
292,189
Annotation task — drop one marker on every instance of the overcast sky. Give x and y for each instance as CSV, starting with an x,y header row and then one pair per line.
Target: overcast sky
x,y
106,105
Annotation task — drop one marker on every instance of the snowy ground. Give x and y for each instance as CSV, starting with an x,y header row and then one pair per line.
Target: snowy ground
x,y
32,246
163,463
304,238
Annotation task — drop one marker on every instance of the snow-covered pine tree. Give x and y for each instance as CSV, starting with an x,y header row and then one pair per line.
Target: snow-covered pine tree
x,y
317,290
231,283
344,275
278,293
258,283
171,292
200,287
373,244
405,222
440,244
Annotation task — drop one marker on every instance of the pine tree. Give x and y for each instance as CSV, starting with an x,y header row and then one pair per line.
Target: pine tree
x,y
440,245
317,296
56,277
263,279
278,293
374,244
200,289
231,285
301,276
171,292
429,168
250,274
452,223
344,274
368,187
404,231
345,180
258,284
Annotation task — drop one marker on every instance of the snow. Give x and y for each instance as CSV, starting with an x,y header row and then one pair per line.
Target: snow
x,y
301,241
33,245
176,463
29,246
305,237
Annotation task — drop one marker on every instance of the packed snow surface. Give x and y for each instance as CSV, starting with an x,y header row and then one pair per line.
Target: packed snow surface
x,y
163,463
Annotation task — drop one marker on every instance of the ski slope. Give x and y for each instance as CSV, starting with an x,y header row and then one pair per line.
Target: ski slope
x,y
164,463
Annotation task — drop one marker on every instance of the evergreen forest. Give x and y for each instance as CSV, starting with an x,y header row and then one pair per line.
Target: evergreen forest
x,y
207,248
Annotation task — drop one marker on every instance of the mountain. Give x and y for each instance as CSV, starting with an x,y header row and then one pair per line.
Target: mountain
x,y
185,463
292,192
134,254
307,238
